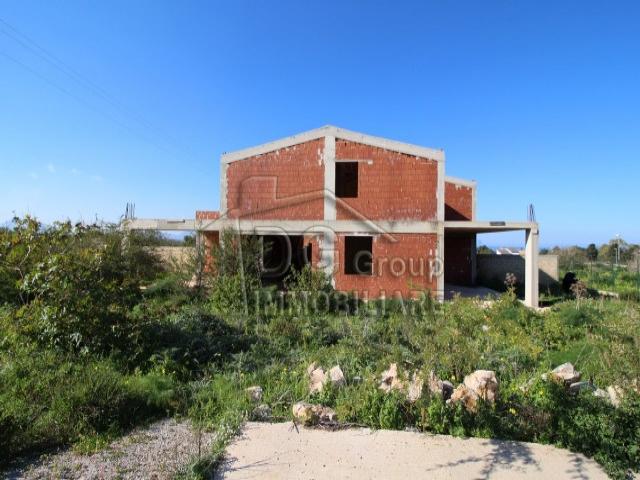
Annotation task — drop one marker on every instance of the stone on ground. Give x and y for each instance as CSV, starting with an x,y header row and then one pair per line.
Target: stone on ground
x,y
565,374
309,414
336,376
317,379
254,393
389,379
479,385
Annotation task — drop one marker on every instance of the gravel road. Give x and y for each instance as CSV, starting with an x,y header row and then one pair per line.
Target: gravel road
x,y
153,452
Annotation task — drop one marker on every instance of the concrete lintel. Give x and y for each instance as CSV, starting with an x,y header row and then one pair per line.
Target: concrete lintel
x,y
319,226
187,224
329,130
368,161
488,227
461,181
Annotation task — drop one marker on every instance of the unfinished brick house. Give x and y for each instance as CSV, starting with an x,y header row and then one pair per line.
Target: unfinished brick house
x,y
379,216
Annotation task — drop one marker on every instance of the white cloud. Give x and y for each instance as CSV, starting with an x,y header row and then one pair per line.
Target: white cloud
x,y
51,168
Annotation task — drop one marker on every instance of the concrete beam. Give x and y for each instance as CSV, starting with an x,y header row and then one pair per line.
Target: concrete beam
x,y
160,224
461,181
319,226
279,226
329,130
487,227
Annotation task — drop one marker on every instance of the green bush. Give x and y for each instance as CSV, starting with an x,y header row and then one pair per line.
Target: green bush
x,y
47,400
76,284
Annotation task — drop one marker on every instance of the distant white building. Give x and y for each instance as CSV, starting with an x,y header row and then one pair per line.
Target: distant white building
x,y
508,251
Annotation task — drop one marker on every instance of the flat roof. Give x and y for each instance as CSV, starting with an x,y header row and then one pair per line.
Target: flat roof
x,y
488,226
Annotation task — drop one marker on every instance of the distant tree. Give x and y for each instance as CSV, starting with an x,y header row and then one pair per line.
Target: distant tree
x,y
484,250
189,240
592,252
544,251
615,246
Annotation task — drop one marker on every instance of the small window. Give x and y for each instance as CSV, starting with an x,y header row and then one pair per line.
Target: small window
x,y
358,256
346,179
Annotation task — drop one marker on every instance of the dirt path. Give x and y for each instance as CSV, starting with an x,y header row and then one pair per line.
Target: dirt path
x,y
154,452
278,451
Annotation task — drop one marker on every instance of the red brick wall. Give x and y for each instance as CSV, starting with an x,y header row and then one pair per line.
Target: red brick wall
x,y
210,239
458,252
315,249
411,249
394,186
207,214
285,184
458,201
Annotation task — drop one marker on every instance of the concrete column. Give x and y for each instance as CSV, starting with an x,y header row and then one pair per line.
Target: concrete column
x,y
329,177
328,242
440,253
531,267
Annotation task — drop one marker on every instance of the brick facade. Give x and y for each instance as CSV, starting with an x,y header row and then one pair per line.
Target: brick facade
x,y
286,184
391,185
400,266
458,202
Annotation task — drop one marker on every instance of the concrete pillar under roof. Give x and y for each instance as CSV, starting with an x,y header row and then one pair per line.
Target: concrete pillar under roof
x,y
531,267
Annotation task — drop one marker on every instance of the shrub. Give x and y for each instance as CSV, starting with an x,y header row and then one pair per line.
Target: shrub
x,y
47,400
76,284
237,267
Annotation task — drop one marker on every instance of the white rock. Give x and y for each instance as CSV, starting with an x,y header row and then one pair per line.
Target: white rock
x,y
304,413
309,414
481,384
615,395
565,374
336,376
389,379
484,384
254,393
317,379
466,396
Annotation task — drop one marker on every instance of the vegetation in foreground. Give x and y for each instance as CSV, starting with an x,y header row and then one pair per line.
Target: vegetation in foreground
x,y
96,337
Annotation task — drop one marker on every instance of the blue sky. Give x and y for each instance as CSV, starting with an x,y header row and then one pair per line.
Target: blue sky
x,y
538,102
